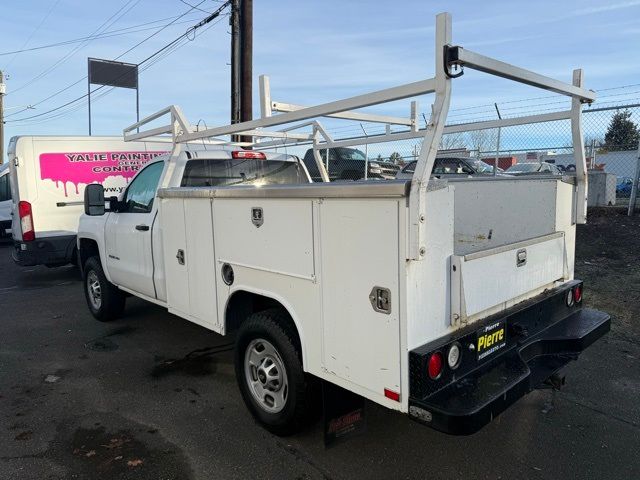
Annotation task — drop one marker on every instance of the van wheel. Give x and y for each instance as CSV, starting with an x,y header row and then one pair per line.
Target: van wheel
x,y
269,372
104,299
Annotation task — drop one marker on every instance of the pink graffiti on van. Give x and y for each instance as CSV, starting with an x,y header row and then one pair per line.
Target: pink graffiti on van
x,y
91,167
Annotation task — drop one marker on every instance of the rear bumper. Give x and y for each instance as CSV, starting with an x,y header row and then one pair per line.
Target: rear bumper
x,y
542,336
51,251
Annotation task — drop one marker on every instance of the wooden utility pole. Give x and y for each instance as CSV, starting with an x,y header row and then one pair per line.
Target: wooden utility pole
x,y
241,62
246,48
234,20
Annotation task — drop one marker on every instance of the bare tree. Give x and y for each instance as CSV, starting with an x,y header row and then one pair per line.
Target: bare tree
x,y
482,141
452,141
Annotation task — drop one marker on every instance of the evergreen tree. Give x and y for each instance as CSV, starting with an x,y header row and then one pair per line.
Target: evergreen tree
x,y
622,133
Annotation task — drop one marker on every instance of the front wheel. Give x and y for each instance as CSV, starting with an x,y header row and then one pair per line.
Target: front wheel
x,y
269,372
105,300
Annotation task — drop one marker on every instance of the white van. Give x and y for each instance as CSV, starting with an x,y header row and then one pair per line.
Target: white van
x,y
48,176
5,202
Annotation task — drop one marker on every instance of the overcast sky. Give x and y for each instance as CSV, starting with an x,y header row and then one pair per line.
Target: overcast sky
x,y
314,51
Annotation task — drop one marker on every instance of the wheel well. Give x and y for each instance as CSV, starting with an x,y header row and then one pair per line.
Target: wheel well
x,y
242,304
88,249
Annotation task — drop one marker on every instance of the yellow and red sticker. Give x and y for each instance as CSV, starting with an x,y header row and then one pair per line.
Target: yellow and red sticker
x,y
491,338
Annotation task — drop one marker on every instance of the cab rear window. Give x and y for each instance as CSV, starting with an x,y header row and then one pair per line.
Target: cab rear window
x,y
227,172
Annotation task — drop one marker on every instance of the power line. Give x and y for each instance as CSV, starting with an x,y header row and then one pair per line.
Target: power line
x,y
195,7
152,59
107,34
126,8
35,30
172,22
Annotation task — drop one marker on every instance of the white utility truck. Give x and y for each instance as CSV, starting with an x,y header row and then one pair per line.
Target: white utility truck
x,y
48,175
444,299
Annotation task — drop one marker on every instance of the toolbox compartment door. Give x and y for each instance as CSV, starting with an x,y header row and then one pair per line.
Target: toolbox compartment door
x,y
188,250
489,281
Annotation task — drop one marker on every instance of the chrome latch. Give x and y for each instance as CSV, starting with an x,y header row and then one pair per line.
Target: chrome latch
x,y
521,257
180,257
380,299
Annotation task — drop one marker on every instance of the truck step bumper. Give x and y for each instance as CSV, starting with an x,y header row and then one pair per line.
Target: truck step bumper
x,y
464,406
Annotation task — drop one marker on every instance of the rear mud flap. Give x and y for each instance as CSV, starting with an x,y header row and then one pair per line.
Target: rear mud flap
x,y
343,414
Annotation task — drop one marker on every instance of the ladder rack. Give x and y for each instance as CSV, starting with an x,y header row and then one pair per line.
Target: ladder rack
x,y
301,123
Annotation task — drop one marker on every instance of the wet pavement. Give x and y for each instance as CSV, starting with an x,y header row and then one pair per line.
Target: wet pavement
x,y
152,396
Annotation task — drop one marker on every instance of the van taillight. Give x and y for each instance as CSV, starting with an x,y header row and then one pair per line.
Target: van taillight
x,y
26,221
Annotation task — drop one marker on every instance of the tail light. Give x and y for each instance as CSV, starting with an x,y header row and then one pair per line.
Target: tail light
x,y
26,221
577,294
434,366
248,154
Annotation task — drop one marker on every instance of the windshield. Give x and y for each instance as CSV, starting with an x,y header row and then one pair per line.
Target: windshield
x,y
225,172
524,167
351,154
482,167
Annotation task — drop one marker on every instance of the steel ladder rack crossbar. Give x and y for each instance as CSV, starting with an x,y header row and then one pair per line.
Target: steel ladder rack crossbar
x,y
447,58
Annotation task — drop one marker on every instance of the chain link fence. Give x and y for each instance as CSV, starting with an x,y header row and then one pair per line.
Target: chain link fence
x,y
539,143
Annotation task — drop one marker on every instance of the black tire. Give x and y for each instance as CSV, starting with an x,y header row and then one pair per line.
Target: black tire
x,y
275,327
112,300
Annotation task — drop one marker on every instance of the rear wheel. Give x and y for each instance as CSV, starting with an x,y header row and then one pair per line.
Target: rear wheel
x,y
104,299
269,371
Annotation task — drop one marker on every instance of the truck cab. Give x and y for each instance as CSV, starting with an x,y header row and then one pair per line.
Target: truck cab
x,y
127,240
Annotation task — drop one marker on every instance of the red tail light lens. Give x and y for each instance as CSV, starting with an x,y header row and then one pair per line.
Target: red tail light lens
x,y
248,154
26,221
577,294
434,366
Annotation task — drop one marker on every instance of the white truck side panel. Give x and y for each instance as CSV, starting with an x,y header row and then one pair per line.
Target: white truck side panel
x,y
187,226
427,281
202,268
283,243
360,344
493,277
491,213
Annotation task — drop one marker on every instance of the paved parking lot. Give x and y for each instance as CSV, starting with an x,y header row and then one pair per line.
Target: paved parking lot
x,y
152,396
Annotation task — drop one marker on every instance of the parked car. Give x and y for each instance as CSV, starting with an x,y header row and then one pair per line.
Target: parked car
x,y
529,168
450,166
349,164
5,202
624,185
48,175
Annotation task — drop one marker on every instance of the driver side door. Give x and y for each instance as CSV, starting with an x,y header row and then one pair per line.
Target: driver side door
x,y
128,233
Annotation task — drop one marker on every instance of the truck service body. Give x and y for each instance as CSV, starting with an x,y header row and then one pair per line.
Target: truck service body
x,y
458,308
48,176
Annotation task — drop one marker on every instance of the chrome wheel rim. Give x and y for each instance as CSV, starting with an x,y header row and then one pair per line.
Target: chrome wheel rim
x,y
266,376
94,290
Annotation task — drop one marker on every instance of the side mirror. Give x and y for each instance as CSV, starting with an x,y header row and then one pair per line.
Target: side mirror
x,y
114,204
94,200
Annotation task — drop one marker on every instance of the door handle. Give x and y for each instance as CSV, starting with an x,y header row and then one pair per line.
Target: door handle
x,y
142,228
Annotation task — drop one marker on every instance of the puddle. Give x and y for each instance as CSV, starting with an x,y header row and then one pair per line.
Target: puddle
x,y
102,345
196,363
